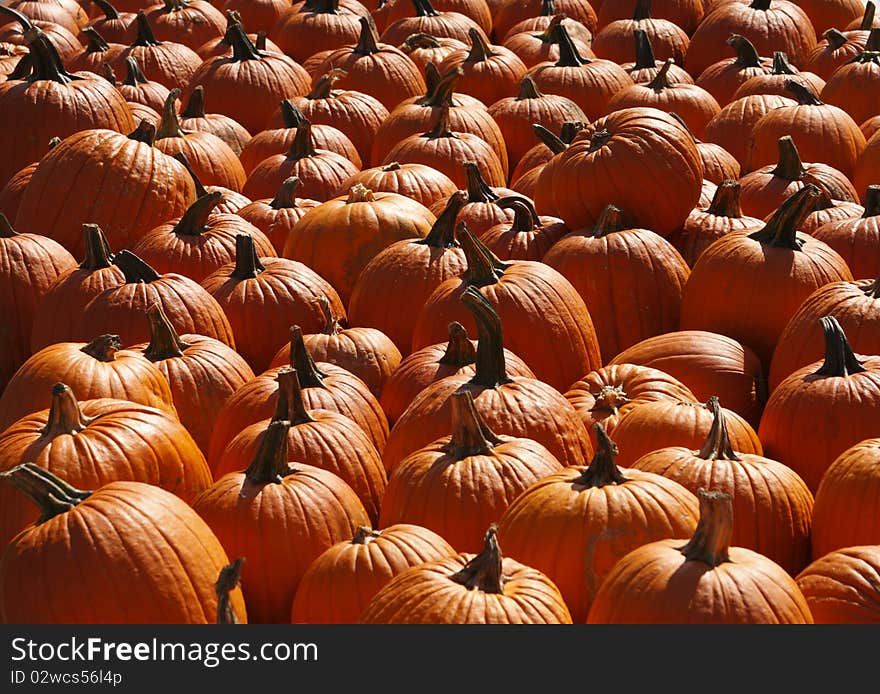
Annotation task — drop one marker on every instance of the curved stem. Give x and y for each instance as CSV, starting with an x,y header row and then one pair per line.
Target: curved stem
x,y
442,234
247,263
781,66
440,127
439,93
711,540
227,581
291,115
194,221
420,40
310,376
477,188
644,51
98,255
602,470
528,89
270,465
763,5
836,39
872,201
642,10
323,86
483,572
302,145
95,43
568,52
480,50
103,348
746,53
480,270
789,165
460,351
331,322
65,416
873,292
491,370
661,79
725,202
367,41
169,126
134,269
548,36
145,36
678,119
781,230
45,62
551,141
109,11
200,189
424,8
803,94
363,535
548,8
525,217
839,358
242,48
50,493
290,405
6,230
195,107
165,343
133,74
470,435
286,196
22,69
610,221
145,132
717,445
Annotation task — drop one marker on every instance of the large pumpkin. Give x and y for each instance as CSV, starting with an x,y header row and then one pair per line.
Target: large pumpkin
x,y
841,587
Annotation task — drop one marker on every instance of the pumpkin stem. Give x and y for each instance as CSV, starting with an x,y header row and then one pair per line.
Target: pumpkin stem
x,y
598,139
134,269
717,445
528,89
331,322
98,255
364,534
440,91
290,405
746,53
868,17
103,348
548,36
873,292
44,59
95,43
872,201
460,351
711,540
491,370
480,50
609,399
65,416
145,35
789,165
763,5
359,193
424,8
6,230
23,69
195,107
525,217
420,40
441,127
602,470
442,234
200,189
367,41
835,38
725,202
644,51
642,10
839,357
133,74
165,343
872,46
291,115
568,52
227,581
286,195
484,571
551,141
145,132
323,86
480,271
609,222
194,221
109,11
548,8
661,81
678,119
247,262
310,376
302,145
477,188
242,47
52,494
170,126
260,42
781,66
270,465
803,94
470,435
781,230
322,6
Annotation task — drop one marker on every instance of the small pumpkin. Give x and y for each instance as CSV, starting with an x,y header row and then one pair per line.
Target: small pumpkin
x,y
275,217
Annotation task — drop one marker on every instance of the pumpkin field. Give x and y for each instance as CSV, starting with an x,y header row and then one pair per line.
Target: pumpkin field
x,y
439,311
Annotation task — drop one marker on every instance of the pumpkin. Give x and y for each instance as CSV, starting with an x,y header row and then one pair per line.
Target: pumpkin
x,y
828,210
97,369
668,40
58,309
116,181
10,56
869,19
868,166
522,407
93,442
836,401
855,86
418,182
684,13
167,62
96,53
189,22
113,25
856,238
730,127
839,13
649,276
70,15
275,217
110,538
777,261
703,580
773,81
510,14
645,66
527,237
598,513
722,78
324,386
486,588
301,31
549,143
845,513
841,587
718,164
30,264
855,305
656,189
427,20
534,44
481,211
465,480
434,363
835,49
477,10
424,49
769,24
230,201
194,118
338,239
222,45
259,15
136,88
66,43
773,504
341,581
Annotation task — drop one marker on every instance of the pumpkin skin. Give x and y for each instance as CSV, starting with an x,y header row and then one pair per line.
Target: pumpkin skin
x,y
477,10
418,182
701,581
777,261
98,369
94,442
275,217
773,81
854,85
667,38
772,503
484,589
510,14
339,238
340,583
855,305
69,15
113,25
427,20
598,513
66,43
194,117
97,52
722,78
684,13
731,126
845,513
301,31
534,40
847,386
83,178
30,264
203,373
835,49
841,586
111,541
463,481
868,165
275,504
594,172
649,276
136,88
527,237
423,48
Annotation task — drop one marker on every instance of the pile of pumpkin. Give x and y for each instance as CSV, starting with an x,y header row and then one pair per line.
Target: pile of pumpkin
x,y
440,311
